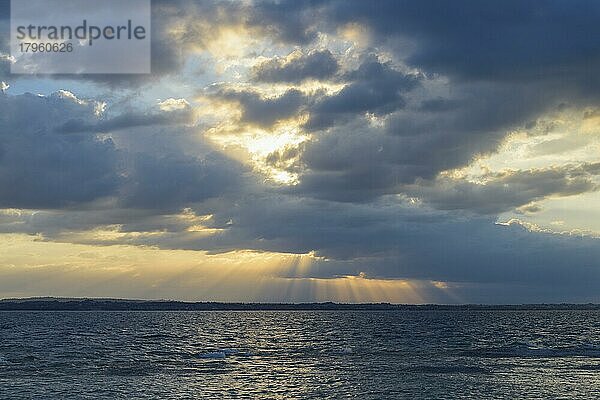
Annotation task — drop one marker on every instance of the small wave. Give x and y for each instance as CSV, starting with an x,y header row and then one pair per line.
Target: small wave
x,y
156,336
214,354
220,353
447,369
589,367
526,350
132,370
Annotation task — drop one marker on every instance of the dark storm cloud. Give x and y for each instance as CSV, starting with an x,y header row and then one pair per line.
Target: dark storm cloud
x,y
288,22
356,161
259,110
476,251
506,191
440,105
39,168
512,40
170,183
267,111
314,65
374,87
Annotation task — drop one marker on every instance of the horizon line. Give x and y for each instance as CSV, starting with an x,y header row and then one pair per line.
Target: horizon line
x,y
297,305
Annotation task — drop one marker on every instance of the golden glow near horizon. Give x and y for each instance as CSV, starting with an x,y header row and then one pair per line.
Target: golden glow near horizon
x,y
31,266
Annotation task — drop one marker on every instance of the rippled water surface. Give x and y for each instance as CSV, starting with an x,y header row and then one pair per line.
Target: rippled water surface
x,y
286,355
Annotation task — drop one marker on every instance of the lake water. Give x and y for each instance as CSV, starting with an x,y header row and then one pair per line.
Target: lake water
x,y
300,355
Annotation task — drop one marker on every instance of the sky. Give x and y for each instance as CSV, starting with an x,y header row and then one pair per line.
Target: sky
x,y
335,150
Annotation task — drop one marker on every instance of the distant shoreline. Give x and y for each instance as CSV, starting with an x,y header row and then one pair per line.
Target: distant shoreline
x,y
70,304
